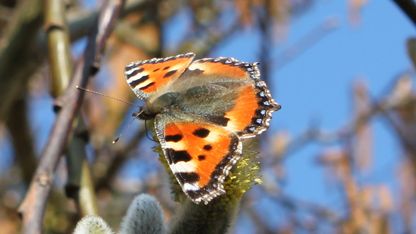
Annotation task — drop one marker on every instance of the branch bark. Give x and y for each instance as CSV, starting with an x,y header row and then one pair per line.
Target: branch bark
x,y
17,45
59,47
79,185
408,7
22,139
21,54
33,206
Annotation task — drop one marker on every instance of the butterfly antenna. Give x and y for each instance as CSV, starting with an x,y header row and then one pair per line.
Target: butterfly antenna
x,y
103,95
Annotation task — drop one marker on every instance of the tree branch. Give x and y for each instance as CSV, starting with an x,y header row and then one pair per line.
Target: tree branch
x,y
33,206
15,47
59,47
408,7
79,185
22,139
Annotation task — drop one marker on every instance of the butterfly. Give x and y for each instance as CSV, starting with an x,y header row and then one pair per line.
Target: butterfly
x,y
203,110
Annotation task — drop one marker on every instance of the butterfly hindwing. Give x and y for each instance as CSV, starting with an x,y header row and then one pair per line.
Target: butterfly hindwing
x,y
149,76
252,110
200,155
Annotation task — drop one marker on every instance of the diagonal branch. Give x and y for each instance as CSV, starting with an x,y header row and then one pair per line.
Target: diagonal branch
x,y
33,206
408,7
22,139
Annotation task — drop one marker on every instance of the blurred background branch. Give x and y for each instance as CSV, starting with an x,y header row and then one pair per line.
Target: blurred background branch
x,y
408,7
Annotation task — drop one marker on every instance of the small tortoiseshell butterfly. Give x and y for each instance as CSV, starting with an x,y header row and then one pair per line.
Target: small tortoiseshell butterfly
x,y
202,111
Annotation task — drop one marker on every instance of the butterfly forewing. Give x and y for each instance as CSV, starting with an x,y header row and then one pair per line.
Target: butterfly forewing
x,y
149,76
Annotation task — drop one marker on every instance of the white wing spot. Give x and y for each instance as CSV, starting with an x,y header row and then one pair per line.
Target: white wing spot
x,y
180,145
183,167
190,187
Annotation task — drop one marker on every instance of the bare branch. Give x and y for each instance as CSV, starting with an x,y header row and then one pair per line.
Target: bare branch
x,y
15,47
22,139
33,206
408,7
80,185
60,60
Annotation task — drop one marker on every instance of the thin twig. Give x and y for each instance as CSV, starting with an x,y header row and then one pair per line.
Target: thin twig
x,y
33,206
408,7
265,22
305,43
80,22
213,39
294,204
315,134
79,185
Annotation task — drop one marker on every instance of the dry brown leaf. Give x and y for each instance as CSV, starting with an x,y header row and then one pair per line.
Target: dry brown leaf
x,y
280,142
362,149
355,8
407,193
244,8
385,199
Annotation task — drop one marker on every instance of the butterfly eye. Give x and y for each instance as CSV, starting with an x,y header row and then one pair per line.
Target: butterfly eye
x,y
143,114
138,113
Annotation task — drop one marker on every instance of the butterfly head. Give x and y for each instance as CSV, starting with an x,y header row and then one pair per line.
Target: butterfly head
x,y
152,107
143,114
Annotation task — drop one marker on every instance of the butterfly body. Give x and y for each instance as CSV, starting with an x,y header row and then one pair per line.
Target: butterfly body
x,y
203,110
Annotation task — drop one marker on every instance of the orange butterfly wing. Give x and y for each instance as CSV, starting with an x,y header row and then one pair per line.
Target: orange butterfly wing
x,y
253,105
148,76
200,156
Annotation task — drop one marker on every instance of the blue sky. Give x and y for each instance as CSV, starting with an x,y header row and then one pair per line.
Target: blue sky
x,y
318,85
